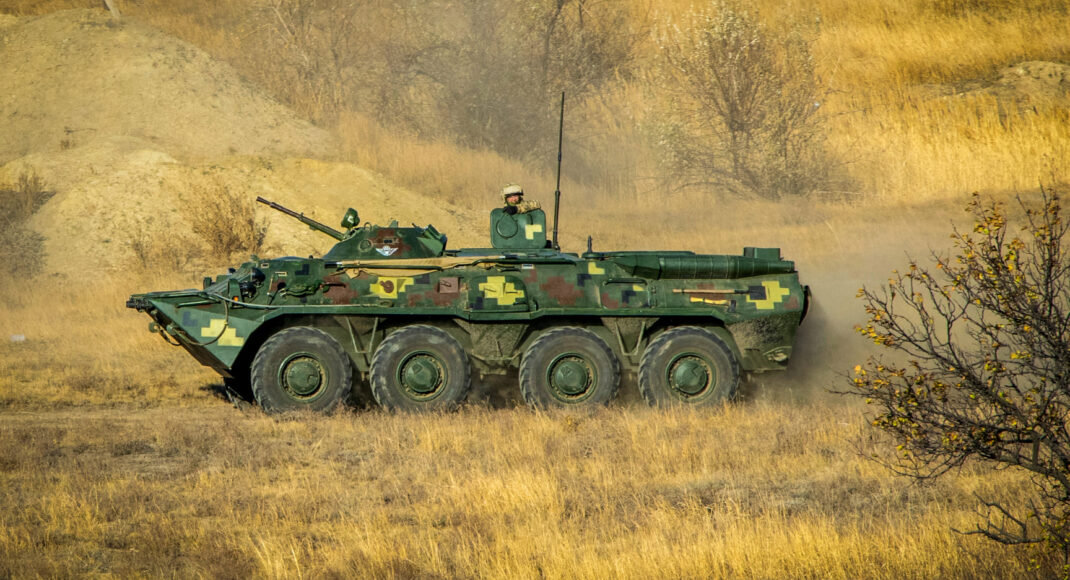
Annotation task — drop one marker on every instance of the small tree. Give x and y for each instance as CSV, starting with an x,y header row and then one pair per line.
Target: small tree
x,y
742,113
987,342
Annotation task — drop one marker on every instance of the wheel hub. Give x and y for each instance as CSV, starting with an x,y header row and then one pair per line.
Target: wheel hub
x,y
302,375
690,375
570,375
422,374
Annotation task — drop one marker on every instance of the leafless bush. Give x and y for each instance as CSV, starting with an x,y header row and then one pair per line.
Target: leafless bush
x,y
152,250
218,227
742,111
485,73
224,221
22,199
21,248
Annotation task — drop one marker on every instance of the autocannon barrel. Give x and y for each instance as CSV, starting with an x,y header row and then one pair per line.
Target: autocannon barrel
x,y
311,223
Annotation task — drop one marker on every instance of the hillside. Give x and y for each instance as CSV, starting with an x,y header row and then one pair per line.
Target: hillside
x,y
123,121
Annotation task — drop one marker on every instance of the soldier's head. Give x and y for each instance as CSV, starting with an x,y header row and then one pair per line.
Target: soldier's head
x,y
512,194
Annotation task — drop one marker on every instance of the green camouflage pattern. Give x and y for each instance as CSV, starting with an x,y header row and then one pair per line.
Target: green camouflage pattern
x,y
494,301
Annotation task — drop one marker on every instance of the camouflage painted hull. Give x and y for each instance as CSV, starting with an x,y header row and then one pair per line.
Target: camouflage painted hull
x,y
502,310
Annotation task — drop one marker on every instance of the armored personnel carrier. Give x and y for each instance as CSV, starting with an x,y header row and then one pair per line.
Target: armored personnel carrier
x,y
394,306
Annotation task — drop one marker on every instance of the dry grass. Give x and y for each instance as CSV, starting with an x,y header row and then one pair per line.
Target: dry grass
x,y
754,491
83,347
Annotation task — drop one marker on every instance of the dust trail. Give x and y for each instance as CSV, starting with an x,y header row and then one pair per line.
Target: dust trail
x,y
863,250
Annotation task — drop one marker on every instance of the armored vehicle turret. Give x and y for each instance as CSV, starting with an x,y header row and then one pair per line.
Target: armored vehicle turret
x,y
395,307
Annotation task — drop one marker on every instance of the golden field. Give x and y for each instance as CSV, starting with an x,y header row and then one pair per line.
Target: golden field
x,y
122,457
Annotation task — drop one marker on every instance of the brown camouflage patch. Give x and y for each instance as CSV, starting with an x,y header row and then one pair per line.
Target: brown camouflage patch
x,y
338,291
792,303
563,292
434,298
609,302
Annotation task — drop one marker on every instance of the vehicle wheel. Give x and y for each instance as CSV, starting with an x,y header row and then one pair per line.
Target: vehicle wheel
x,y
689,366
569,368
301,368
420,368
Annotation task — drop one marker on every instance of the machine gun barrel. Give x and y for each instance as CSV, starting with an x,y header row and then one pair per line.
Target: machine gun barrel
x,y
311,223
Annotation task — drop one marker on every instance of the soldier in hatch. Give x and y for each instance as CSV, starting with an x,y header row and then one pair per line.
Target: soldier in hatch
x,y
513,196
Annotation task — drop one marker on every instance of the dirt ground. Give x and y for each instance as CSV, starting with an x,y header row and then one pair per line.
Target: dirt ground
x,y
122,121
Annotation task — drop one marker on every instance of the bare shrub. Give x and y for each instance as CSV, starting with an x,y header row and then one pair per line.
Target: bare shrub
x,y
21,248
486,73
741,111
504,92
218,227
22,199
224,221
152,250
986,338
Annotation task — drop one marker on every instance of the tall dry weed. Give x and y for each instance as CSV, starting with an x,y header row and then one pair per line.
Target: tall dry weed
x,y
22,248
223,220
218,227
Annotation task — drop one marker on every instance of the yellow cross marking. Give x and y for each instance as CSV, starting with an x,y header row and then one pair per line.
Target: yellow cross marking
x,y
709,300
504,292
388,287
593,268
638,288
774,295
531,229
230,335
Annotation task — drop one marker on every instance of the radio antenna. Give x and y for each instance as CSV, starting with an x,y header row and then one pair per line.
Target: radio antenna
x,y
557,192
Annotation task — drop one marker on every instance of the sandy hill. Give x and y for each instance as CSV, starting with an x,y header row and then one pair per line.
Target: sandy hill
x,y
123,121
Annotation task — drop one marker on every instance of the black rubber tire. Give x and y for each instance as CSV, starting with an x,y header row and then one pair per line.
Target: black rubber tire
x,y
548,377
713,369
301,368
420,369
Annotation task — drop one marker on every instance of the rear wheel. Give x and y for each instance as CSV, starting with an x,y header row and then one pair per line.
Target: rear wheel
x,y
300,368
688,366
569,368
420,368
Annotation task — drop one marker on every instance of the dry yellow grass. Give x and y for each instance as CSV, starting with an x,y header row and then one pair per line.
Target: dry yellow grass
x,y
757,491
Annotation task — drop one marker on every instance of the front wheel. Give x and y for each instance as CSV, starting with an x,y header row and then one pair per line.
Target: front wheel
x,y
569,368
300,368
689,366
420,368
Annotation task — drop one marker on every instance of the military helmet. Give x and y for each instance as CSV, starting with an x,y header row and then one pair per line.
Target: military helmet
x,y
511,189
